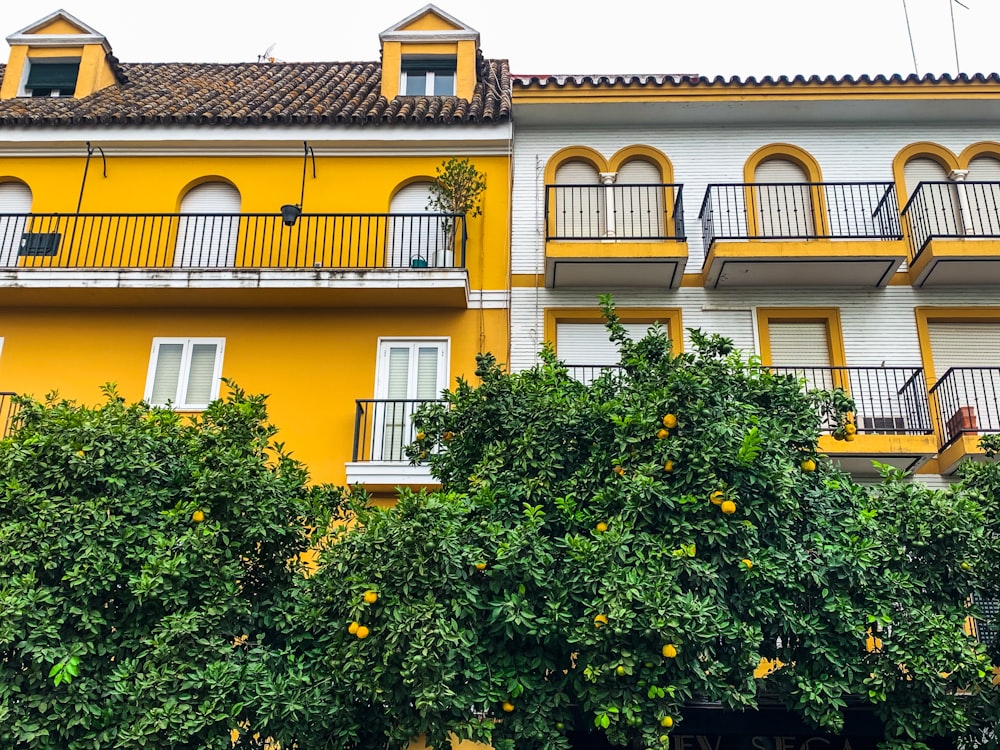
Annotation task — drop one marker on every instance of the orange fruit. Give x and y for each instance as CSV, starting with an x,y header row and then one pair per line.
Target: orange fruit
x,y
448,435
667,722
670,421
507,707
620,671
480,566
601,527
661,433
353,627
421,435
748,562
371,597
600,621
808,465
668,466
361,632
728,507
669,651
619,471
850,429
717,497
849,437
198,516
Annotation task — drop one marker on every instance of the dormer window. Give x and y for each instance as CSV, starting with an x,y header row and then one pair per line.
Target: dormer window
x,y
428,75
55,77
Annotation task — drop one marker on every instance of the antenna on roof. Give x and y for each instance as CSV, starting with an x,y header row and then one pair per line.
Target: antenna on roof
x,y
913,50
267,56
954,35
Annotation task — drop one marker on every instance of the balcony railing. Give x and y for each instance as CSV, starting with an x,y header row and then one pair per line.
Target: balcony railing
x,y
8,413
804,211
887,400
952,210
383,427
967,402
614,212
226,241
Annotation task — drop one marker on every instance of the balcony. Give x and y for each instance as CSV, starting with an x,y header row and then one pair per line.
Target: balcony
x,y
954,233
604,236
325,259
801,234
891,412
966,404
382,430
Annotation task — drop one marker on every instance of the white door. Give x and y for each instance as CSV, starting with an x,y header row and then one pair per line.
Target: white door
x,y
417,239
971,391
586,350
783,210
409,373
578,202
936,214
15,198
208,239
983,201
638,201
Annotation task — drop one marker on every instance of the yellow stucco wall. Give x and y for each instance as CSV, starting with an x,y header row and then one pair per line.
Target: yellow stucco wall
x,y
313,362
360,184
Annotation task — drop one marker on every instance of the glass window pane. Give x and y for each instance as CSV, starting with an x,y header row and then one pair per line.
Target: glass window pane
x,y
444,84
202,375
416,83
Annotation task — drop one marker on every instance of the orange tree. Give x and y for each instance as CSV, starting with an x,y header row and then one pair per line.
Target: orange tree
x,y
600,555
145,562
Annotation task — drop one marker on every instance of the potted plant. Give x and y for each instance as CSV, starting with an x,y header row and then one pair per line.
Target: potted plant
x,y
457,189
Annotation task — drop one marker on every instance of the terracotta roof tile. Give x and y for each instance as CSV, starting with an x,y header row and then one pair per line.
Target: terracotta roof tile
x,y
677,80
262,93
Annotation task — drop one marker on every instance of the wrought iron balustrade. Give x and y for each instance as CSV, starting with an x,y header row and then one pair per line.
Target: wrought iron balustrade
x,y
887,400
384,427
614,212
800,210
8,413
967,402
587,374
952,210
228,241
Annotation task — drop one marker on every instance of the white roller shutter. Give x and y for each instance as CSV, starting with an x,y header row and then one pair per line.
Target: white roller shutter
x,y
983,200
967,394
416,239
804,344
783,210
579,202
209,240
638,200
15,198
936,214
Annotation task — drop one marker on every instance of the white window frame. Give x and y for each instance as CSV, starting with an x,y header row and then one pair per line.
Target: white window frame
x,y
429,76
185,373
382,360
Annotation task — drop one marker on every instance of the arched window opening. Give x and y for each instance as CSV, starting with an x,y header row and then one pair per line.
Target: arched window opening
x,y
15,204
580,202
784,206
417,238
639,200
207,233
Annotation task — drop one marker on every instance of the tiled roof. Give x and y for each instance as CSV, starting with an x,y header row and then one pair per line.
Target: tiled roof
x,y
345,93
660,80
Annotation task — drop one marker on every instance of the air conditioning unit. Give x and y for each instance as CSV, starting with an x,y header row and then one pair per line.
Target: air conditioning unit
x,y
884,425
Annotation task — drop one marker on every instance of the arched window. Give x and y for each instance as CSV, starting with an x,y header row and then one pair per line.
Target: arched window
x,y
984,196
15,202
934,205
639,200
417,238
784,207
207,234
580,202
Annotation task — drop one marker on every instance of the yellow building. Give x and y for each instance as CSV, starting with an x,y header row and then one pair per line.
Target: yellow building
x,y
163,226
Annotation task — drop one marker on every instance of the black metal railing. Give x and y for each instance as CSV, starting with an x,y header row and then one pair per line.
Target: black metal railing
x,y
8,413
986,629
343,241
887,400
951,210
804,210
966,401
384,427
589,373
619,212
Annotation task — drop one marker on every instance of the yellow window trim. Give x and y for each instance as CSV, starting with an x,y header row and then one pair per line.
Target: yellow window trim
x,y
830,316
927,315
668,317
801,158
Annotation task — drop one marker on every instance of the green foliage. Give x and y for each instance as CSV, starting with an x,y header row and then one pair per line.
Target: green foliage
x,y
573,540
458,188
124,622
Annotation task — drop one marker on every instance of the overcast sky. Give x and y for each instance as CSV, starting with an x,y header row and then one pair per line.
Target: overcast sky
x,y
707,37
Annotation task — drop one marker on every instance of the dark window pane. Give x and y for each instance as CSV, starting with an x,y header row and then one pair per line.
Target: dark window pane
x,y
61,76
416,83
